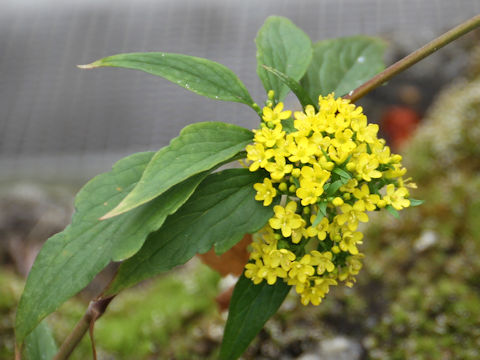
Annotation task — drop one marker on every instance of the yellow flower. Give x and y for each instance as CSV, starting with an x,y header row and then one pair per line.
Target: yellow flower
x,y
309,192
304,121
276,115
354,264
350,240
315,174
367,133
269,137
317,292
339,155
320,231
381,152
341,122
323,261
351,216
279,168
252,270
396,198
311,295
320,123
285,218
323,284
258,155
268,236
265,191
281,257
335,230
407,183
301,150
301,270
261,247
397,171
366,167
312,180
366,201
350,186
301,163
298,234
271,274
343,141
327,104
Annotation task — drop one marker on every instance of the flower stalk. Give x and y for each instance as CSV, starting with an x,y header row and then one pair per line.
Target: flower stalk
x,y
95,310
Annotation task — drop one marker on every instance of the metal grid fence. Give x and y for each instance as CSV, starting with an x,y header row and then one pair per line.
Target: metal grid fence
x,y
57,121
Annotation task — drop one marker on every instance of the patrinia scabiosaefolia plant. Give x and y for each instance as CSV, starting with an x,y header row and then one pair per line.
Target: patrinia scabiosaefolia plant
x,y
307,182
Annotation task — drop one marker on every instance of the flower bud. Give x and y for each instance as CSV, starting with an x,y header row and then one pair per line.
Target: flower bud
x,y
296,172
338,201
283,187
271,95
381,203
396,158
350,166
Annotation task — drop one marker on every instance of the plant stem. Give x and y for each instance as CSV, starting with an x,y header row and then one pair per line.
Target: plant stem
x,y
95,309
414,57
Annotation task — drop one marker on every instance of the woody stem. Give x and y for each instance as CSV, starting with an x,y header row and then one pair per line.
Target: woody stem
x,y
414,57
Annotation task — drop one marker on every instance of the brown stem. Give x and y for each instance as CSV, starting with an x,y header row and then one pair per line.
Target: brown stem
x,y
95,309
414,57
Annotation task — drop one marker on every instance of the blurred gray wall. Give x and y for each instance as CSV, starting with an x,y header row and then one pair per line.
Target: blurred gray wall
x,y
57,121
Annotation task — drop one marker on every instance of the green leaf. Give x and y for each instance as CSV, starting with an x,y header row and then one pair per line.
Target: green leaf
x,y
40,344
322,212
393,211
293,85
250,308
220,212
333,187
202,76
342,173
199,147
415,202
288,125
319,218
341,65
70,260
282,46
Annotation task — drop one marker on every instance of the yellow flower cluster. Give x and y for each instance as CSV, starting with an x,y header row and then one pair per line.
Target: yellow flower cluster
x,y
324,171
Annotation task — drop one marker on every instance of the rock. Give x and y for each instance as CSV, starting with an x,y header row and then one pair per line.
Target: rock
x,y
29,215
340,348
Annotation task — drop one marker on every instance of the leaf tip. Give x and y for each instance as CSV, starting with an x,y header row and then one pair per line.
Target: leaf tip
x,y
92,65
108,215
112,213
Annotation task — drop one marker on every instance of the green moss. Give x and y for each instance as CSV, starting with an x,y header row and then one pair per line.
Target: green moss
x,y
159,318
141,320
10,289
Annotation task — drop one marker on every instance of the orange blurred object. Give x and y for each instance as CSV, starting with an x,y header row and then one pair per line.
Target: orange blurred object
x,y
231,262
399,123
